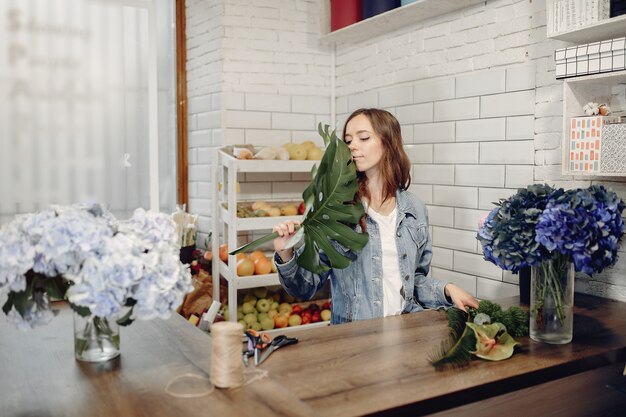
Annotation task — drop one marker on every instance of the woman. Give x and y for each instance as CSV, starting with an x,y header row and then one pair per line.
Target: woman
x,y
388,276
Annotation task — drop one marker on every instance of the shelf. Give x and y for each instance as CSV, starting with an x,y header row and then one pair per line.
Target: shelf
x,y
259,165
294,329
614,27
395,19
251,281
577,91
257,223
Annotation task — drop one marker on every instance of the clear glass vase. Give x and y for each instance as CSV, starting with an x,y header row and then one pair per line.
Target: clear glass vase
x,y
552,301
96,339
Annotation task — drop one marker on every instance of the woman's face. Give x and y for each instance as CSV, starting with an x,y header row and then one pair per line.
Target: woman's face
x,y
364,143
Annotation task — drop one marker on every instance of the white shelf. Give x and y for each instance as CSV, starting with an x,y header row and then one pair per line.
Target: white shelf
x,y
577,91
295,329
259,165
251,281
394,19
226,223
605,29
256,223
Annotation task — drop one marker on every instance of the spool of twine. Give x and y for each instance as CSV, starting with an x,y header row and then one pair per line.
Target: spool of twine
x,y
226,361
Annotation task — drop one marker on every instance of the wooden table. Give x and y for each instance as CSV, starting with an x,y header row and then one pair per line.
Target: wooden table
x,y
369,367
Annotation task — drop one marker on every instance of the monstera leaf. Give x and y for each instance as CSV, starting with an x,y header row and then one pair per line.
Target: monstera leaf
x,y
331,210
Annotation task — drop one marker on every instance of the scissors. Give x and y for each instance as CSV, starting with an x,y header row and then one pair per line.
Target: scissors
x,y
278,342
256,342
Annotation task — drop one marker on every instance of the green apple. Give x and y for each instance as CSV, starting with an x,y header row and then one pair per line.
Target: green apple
x,y
263,305
248,308
267,323
260,292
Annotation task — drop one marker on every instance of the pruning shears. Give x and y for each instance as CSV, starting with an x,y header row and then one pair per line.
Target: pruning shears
x,y
278,342
258,342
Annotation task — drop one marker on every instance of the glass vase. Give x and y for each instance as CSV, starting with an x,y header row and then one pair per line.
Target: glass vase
x,y
552,301
96,339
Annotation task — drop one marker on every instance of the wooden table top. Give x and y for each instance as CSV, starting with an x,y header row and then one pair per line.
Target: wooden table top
x,y
360,368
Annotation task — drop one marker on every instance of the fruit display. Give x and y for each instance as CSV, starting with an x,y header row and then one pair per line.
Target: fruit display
x,y
269,209
306,150
253,263
261,310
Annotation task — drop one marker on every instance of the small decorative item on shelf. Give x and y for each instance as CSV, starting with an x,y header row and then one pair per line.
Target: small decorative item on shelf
x,y
592,109
554,232
585,141
374,7
111,272
344,13
613,152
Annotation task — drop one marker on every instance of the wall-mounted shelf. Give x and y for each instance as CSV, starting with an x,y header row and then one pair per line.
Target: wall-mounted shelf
x,y
614,27
577,91
394,19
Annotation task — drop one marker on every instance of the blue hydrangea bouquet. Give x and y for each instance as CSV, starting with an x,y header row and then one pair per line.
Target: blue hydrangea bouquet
x,y
539,224
105,268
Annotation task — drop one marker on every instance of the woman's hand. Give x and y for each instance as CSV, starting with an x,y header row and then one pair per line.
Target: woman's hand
x,y
460,298
285,231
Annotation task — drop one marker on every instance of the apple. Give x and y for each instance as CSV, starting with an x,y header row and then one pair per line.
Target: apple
x,y
260,292
249,297
275,306
272,313
314,307
316,317
326,305
263,305
295,320
306,319
250,318
248,308
267,323
301,208
280,321
284,308
325,314
297,309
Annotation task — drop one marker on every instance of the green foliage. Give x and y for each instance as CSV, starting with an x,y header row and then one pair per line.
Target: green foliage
x,y
462,344
456,351
514,318
331,210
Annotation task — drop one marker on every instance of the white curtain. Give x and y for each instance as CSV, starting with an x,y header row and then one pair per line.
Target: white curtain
x,y
87,112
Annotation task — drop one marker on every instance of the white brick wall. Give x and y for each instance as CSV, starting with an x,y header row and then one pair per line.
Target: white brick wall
x,y
256,75
495,125
474,91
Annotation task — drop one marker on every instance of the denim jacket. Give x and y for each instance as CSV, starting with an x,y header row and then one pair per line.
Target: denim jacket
x,y
357,291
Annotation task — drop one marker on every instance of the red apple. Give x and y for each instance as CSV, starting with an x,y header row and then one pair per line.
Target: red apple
x,y
297,309
306,319
301,208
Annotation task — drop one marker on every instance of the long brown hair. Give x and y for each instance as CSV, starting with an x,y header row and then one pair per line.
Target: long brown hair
x,y
395,166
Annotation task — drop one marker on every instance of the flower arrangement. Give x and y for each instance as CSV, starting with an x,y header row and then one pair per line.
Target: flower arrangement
x,y
540,223
110,269
552,229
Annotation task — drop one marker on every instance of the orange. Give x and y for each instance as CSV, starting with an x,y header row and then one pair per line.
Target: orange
x,y
257,254
224,252
262,266
245,267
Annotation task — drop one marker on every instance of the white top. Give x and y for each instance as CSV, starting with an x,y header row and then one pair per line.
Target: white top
x,y
392,281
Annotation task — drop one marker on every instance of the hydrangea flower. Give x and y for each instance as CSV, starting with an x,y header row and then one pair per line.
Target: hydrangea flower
x,y
103,267
539,223
508,234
